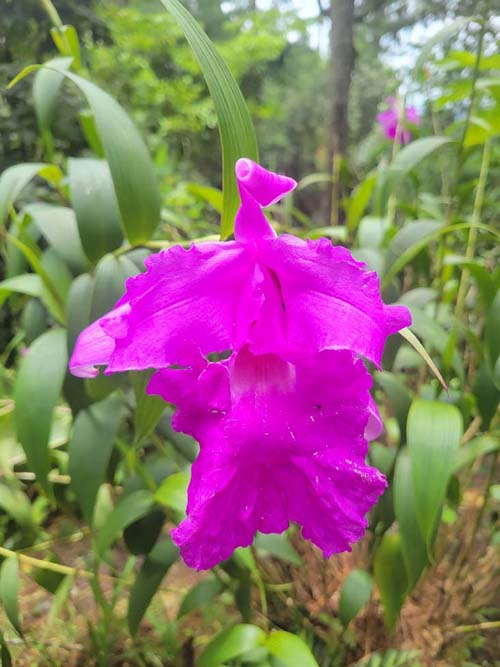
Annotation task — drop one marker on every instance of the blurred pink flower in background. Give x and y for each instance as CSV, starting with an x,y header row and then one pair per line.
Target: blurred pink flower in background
x,y
394,120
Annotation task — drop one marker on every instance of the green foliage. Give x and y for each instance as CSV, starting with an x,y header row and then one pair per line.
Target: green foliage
x,y
80,218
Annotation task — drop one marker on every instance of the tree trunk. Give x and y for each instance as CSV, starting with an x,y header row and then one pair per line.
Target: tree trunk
x,y
341,67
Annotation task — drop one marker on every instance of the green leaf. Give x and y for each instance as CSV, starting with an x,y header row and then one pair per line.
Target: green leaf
x,y
58,225
148,410
15,503
441,36
12,182
27,283
290,649
491,332
9,577
277,545
5,657
78,307
90,450
398,395
417,345
487,394
412,155
66,40
390,576
407,244
359,200
51,293
412,540
147,582
96,207
127,511
355,593
46,86
471,451
110,276
231,643
36,392
235,125
212,196
173,492
130,164
201,594
433,435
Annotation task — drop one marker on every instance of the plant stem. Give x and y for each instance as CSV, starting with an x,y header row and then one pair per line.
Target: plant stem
x,y
45,565
476,217
487,625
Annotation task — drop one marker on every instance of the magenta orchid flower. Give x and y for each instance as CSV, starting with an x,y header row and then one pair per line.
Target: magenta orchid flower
x,y
276,294
283,422
279,442
393,125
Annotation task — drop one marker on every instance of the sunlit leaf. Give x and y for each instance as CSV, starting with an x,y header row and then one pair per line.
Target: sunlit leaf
x,y
235,125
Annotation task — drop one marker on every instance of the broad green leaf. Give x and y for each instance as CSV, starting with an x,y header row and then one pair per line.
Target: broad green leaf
x,y
141,535
355,593
201,594
15,503
87,121
148,410
5,657
277,545
232,643
58,272
468,453
235,125
407,244
78,307
51,293
12,182
9,574
148,580
359,200
173,492
492,330
487,394
96,207
110,276
398,395
58,225
46,86
27,283
412,155
90,450
412,541
37,388
372,231
127,511
130,164
289,649
433,435
390,577
212,196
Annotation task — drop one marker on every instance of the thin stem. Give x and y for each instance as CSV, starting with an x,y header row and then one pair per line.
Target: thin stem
x,y
46,565
476,217
475,74
487,625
